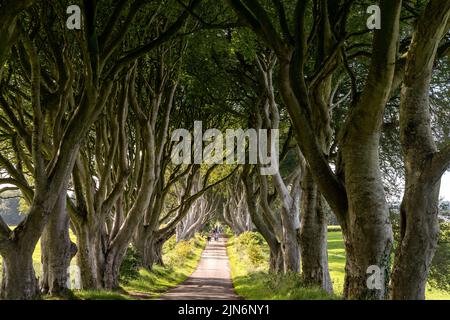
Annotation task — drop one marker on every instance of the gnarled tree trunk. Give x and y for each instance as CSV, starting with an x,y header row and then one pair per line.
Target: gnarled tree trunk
x,y
266,229
19,280
149,245
424,165
57,250
88,242
358,199
111,267
313,237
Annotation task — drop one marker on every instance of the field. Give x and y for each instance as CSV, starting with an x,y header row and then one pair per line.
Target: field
x,y
252,281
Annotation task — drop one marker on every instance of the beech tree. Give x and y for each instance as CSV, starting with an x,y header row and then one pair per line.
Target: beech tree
x,y
235,207
424,163
354,191
10,11
200,213
100,67
86,118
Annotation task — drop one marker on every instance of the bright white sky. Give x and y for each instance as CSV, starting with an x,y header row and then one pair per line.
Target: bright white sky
x,y
445,186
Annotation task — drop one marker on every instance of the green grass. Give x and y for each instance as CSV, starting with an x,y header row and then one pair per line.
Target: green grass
x,y
99,295
252,281
336,262
256,283
181,259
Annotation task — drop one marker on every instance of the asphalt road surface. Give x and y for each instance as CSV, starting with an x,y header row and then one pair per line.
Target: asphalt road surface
x,y
210,281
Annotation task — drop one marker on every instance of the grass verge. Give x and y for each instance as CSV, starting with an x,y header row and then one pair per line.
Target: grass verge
x,y
181,259
253,281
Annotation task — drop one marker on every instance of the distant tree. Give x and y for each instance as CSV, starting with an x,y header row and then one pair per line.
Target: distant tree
x,y
444,205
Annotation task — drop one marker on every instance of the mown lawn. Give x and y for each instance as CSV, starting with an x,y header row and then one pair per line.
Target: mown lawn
x,y
255,283
336,260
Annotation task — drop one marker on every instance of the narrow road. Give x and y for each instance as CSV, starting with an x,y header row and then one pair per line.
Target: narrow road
x,y
210,281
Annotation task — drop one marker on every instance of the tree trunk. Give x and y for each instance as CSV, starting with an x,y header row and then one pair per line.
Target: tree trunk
x,y
424,165
57,250
115,253
276,259
290,222
149,247
87,259
266,229
189,234
360,203
367,230
356,193
140,241
19,280
291,248
155,251
313,237
418,240
111,268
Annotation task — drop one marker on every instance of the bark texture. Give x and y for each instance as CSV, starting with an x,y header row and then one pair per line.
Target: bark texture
x,y
57,251
264,226
424,164
19,280
313,237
